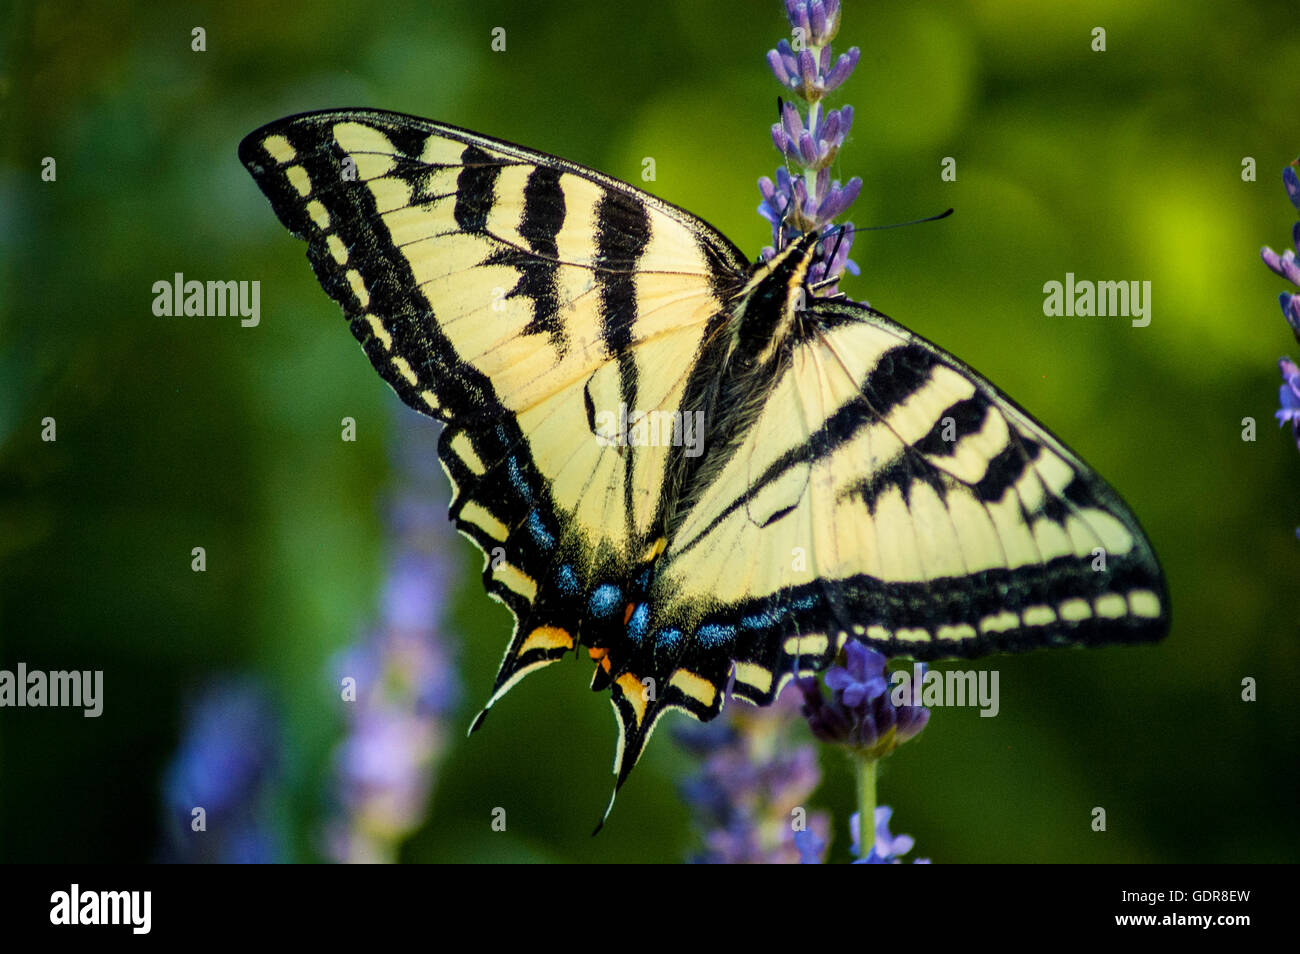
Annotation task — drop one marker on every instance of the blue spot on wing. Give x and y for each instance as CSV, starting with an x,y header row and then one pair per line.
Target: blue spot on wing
x,y
758,621
605,600
806,602
517,479
539,532
636,626
668,638
715,635
567,580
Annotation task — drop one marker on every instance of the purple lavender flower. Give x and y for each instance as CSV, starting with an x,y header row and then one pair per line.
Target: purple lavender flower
x,y
811,848
226,766
887,849
861,679
814,149
811,201
861,713
809,71
749,798
401,673
1285,264
1287,267
1291,305
864,716
1292,183
1289,396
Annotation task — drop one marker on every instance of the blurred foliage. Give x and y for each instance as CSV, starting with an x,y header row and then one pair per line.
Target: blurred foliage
x,y
183,432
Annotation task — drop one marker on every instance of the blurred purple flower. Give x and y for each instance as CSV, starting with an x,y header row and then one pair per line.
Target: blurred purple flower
x,y
225,765
398,682
1286,266
750,796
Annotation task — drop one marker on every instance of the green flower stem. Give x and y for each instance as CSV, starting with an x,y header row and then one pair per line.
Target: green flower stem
x,y
814,114
865,766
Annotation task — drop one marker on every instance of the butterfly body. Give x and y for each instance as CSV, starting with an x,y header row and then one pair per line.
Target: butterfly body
x,y
690,466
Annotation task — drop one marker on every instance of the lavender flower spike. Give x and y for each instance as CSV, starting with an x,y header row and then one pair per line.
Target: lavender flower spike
x,y
1287,267
749,798
226,765
809,201
402,672
804,200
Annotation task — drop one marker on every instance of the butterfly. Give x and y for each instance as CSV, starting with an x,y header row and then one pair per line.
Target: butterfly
x,y
689,465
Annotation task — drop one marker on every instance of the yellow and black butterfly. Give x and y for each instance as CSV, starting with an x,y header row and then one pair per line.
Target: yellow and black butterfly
x,y
688,464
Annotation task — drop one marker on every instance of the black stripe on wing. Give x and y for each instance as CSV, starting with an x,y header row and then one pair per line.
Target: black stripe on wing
x,y
899,373
544,213
622,234
388,293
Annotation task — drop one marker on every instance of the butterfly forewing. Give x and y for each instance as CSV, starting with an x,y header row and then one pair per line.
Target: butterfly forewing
x,y
518,298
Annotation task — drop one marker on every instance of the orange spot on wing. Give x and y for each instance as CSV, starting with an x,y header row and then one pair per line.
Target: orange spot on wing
x,y
601,656
627,613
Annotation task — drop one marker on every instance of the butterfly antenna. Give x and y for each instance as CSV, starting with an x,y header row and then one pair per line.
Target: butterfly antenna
x,y
829,279
841,230
898,225
839,237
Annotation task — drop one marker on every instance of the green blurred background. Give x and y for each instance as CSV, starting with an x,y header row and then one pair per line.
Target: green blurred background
x,y
174,433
